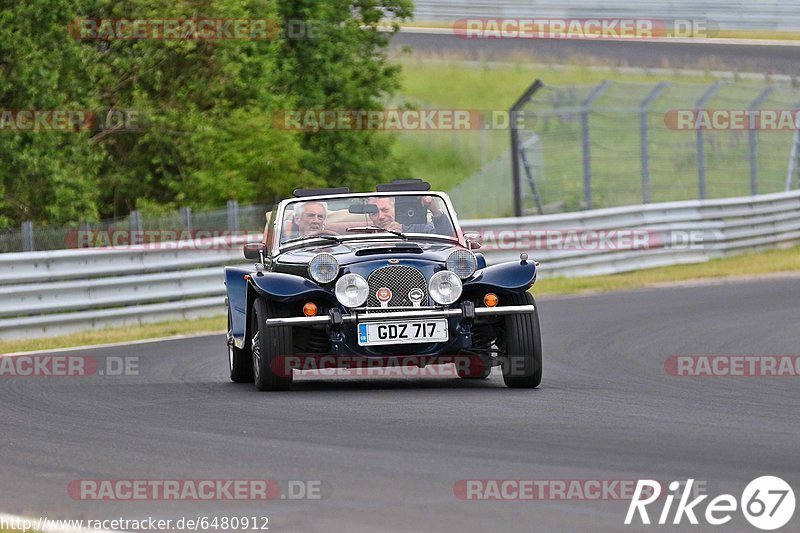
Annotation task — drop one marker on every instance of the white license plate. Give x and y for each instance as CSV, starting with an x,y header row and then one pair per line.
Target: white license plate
x,y
402,332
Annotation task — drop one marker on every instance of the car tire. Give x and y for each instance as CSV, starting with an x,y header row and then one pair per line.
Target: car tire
x,y
522,363
267,345
240,360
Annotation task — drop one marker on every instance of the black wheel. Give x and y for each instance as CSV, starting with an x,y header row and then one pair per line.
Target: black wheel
x,y
240,360
522,364
268,345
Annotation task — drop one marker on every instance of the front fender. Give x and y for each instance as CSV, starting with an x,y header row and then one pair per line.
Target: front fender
x,y
236,290
286,287
513,276
273,285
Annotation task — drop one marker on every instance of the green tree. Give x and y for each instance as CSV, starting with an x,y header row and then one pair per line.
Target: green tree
x,y
343,65
205,107
45,176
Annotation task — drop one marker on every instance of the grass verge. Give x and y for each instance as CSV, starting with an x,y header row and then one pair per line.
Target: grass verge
x,y
110,335
741,266
753,264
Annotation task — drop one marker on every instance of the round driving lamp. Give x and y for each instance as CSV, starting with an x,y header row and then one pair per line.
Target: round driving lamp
x,y
323,268
462,262
445,287
352,290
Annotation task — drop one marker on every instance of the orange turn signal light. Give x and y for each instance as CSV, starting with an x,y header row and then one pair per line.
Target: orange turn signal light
x,y
310,309
490,300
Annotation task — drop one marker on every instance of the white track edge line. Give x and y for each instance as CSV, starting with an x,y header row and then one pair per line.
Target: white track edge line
x,y
116,344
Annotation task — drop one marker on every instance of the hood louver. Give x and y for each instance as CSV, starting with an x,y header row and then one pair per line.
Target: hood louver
x,y
403,249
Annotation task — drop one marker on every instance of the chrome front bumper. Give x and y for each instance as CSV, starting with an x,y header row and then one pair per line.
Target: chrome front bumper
x,y
399,315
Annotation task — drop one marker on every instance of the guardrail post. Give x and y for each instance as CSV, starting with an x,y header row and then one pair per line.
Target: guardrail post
x,y
794,161
233,215
136,223
752,134
27,237
644,109
586,107
700,142
186,217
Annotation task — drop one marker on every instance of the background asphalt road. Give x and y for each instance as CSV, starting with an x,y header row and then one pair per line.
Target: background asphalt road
x,y
772,59
391,448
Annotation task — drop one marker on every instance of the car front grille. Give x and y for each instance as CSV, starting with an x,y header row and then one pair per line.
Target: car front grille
x,y
399,279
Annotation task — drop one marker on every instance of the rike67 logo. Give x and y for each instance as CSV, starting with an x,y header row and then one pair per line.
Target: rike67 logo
x,y
767,503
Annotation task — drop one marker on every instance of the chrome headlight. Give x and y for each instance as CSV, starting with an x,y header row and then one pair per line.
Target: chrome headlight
x,y
323,268
352,290
462,262
444,287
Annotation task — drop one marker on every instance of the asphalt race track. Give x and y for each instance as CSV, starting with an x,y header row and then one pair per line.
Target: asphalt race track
x,y
391,449
773,58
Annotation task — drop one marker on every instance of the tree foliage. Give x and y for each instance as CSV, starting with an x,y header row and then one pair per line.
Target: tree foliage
x,y
204,107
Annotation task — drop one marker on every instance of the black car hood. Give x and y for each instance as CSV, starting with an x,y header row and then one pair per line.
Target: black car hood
x,y
354,251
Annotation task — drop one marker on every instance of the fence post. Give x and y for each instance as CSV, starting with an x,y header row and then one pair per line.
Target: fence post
x,y
136,224
644,109
83,234
27,237
186,217
752,135
515,147
700,143
586,142
233,215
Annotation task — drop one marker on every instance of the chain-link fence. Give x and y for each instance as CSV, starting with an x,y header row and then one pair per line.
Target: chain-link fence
x,y
616,144
136,228
577,147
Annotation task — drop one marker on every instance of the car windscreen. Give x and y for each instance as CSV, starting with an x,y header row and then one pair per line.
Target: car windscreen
x,y
385,213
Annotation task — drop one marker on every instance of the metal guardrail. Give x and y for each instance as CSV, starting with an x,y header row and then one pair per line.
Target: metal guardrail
x,y
56,292
746,14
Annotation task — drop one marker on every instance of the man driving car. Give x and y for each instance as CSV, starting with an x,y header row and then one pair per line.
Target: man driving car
x,y
310,218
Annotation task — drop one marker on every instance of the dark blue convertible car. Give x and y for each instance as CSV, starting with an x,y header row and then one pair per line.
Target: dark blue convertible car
x,y
352,279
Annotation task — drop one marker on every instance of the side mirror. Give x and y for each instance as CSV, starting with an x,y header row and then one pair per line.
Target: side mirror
x,y
254,250
473,240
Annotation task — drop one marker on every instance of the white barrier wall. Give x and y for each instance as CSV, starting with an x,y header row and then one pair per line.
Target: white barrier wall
x,y
776,15
56,292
